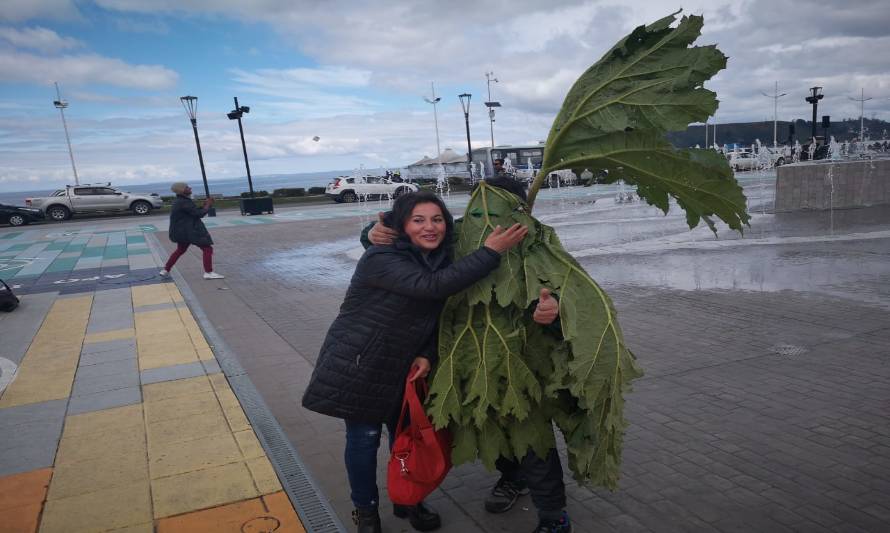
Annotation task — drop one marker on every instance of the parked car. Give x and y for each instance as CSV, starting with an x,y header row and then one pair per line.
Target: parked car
x,y
18,216
75,199
742,161
344,189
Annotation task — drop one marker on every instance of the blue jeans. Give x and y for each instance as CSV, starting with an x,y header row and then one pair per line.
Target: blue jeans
x,y
362,442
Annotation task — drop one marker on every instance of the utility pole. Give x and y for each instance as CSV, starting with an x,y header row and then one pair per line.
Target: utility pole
x,y
61,105
435,100
862,99
775,96
489,77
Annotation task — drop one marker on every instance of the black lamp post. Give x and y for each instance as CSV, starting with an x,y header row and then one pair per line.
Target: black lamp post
x,y
465,104
815,96
190,103
235,114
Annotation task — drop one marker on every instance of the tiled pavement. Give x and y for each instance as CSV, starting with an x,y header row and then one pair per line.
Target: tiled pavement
x,y
114,415
762,410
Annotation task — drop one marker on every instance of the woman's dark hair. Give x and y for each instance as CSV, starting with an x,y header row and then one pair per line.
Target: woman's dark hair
x,y
405,204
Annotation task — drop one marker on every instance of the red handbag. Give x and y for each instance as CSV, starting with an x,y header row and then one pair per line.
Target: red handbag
x,y
421,455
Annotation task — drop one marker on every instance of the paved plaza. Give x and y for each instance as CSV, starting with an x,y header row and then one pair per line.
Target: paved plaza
x,y
114,414
764,406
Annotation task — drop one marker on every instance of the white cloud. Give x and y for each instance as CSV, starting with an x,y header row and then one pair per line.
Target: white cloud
x,y
21,10
37,38
364,49
82,70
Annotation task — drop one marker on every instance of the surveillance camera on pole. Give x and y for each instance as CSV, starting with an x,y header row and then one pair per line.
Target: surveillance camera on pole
x,y
489,77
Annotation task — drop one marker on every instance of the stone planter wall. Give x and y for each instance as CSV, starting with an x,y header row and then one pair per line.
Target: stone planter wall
x,y
855,184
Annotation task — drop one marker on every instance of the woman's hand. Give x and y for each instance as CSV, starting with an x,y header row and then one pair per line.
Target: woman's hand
x,y
421,368
500,240
547,309
380,234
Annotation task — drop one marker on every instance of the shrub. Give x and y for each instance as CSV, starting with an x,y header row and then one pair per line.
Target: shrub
x,y
316,190
289,192
255,193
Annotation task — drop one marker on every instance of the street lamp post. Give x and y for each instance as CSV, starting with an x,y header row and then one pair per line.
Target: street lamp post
x,y
235,114
862,99
815,96
489,77
465,104
190,103
775,96
435,100
61,105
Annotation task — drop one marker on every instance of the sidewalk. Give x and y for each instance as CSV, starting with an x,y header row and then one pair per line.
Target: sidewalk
x,y
114,415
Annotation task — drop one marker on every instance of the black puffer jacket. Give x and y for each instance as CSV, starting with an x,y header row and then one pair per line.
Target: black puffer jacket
x,y
185,223
389,317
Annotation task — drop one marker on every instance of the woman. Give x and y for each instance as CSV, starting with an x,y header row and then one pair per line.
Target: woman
x,y
186,229
387,323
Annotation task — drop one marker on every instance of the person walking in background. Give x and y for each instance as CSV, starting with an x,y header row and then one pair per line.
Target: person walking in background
x,y
186,229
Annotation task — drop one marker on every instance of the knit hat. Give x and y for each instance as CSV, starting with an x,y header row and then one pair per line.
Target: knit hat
x,y
179,187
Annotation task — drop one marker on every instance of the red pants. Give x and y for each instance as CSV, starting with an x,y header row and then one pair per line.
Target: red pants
x,y
181,247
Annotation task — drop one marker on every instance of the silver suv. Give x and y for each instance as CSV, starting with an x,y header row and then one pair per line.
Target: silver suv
x,y
93,199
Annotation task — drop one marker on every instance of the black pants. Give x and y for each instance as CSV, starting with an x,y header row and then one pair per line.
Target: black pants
x,y
543,477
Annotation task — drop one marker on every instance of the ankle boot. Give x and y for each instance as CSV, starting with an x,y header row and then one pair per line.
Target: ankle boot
x,y
367,520
422,516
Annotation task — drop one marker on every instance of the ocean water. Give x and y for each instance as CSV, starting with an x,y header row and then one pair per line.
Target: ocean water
x,y
226,187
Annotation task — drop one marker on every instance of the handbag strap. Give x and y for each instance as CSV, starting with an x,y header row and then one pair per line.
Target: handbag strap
x,y
412,404
5,285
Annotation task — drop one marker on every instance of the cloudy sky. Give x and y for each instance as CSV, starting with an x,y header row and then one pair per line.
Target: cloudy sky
x,y
354,73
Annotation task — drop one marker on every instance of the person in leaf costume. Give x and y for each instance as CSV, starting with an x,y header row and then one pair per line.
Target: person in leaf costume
x,y
502,381
535,470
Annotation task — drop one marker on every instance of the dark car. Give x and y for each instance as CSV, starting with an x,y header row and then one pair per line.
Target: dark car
x,y
17,216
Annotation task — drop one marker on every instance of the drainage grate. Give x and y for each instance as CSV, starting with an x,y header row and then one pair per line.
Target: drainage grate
x,y
304,493
787,349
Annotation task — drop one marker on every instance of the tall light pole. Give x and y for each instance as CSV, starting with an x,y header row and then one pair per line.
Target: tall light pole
x,y
235,114
813,98
435,100
715,129
465,104
775,96
862,99
489,77
190,103
61,105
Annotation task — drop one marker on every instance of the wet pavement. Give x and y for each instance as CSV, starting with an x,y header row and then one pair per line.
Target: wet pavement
x,y
767,357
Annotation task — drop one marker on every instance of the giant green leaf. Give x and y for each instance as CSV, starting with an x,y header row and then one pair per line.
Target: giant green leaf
x,y
502,379
616,114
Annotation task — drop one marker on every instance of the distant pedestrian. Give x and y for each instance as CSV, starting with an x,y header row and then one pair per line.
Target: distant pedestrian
x,y
186,229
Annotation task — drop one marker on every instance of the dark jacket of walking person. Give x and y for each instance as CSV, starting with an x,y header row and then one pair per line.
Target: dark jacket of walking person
x,y
187,228
387,325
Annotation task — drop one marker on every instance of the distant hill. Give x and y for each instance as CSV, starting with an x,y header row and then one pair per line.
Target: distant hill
x,y
745,133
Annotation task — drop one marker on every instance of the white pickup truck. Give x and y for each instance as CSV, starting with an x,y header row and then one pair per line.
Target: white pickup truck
x,y
93,199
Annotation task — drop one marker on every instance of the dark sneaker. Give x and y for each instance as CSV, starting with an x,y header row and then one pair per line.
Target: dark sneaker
x,y
504,495
563,525
422,516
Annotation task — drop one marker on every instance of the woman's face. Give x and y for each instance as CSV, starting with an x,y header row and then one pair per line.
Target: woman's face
x,y
426,226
